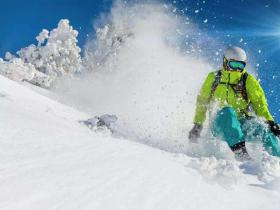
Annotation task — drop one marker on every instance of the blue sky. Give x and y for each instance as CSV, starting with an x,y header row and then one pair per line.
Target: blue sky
x,y
22,20
251,24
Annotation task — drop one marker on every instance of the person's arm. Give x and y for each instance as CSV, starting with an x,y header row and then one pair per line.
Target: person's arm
x,y
201,107
257,98
203,99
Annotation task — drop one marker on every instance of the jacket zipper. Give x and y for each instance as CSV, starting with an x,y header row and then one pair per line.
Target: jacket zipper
x,y
227,88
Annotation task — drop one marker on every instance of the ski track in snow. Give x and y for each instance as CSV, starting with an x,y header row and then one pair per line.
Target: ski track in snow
x,y
49,161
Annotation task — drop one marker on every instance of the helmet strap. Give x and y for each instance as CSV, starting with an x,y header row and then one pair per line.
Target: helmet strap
x,y
225,64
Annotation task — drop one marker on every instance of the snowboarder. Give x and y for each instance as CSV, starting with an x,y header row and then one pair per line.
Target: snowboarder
x,y
242,105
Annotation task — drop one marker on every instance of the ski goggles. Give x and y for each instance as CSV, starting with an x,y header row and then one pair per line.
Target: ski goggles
x,y
237,65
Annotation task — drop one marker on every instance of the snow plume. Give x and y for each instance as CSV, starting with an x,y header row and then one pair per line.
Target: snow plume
x,y
56,54
135,68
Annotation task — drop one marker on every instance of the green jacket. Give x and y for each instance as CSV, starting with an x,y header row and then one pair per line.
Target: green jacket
x,y
226,96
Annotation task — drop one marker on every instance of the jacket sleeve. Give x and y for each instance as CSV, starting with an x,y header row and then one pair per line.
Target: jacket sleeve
x,y
203,99
257,98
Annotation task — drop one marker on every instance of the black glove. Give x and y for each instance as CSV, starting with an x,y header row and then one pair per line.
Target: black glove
x,y
194,133
274,127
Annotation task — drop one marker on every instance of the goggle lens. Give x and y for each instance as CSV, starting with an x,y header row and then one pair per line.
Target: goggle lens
x,y
237,65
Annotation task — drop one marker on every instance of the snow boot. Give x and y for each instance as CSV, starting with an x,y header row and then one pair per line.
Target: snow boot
x,y
240,152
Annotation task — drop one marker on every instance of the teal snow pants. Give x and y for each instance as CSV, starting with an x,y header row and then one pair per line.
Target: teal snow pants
x,y
229,128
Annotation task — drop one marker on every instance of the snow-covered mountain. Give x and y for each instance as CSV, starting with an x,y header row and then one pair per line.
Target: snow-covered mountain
x,y
48,160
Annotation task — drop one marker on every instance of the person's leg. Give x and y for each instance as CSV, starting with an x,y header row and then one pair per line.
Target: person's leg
x,y
271,144
257,131
227,127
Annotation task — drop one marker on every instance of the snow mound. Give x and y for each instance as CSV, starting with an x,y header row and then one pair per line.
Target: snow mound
x,y
267,169
225,172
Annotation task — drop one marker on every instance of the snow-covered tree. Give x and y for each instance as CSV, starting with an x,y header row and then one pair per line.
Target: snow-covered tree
x,y
60,53
56,54
18,70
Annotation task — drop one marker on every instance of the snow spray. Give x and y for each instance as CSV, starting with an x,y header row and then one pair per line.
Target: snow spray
x,y
135,68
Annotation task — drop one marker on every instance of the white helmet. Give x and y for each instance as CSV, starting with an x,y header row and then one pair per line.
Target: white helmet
x,y
235,53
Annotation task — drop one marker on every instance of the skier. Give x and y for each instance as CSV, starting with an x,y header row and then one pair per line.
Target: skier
x,y
242,105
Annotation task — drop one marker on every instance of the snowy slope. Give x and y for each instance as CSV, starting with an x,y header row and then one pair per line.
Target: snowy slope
x,y
49,161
